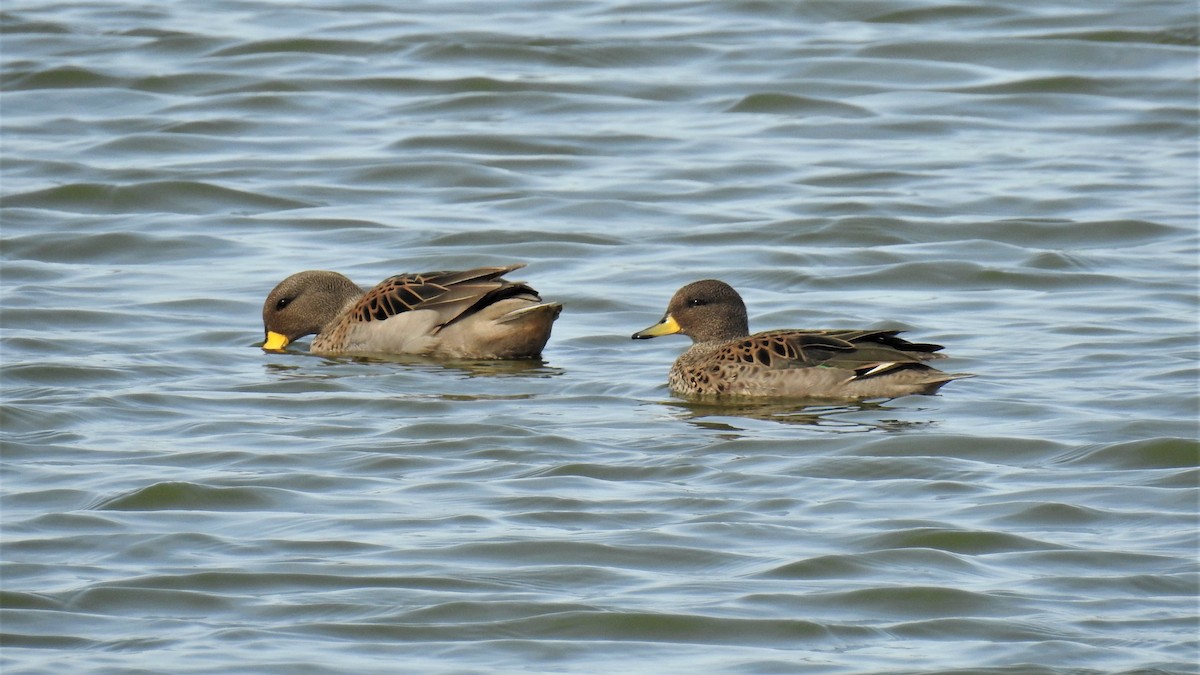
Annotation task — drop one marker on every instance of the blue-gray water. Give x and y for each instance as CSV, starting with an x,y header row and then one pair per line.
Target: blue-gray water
x,y
1014,180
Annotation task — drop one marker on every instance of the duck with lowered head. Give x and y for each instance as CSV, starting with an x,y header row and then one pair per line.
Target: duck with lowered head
x,y
472,314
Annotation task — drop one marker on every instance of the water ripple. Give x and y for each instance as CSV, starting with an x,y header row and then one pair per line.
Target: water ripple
x,y
1015,182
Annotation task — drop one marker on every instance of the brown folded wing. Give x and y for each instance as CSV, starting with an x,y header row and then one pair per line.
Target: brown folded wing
x,y
866,352
452,295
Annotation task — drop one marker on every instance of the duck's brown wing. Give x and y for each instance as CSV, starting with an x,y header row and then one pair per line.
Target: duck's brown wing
x,y
451,294
867,353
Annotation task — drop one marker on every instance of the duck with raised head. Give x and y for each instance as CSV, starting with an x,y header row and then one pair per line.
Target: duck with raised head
x,y
472,314
726,360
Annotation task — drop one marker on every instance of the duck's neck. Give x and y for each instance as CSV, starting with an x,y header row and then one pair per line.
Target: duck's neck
x,y
723,332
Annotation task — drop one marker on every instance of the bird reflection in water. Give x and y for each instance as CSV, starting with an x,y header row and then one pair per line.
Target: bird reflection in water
x,y
839,417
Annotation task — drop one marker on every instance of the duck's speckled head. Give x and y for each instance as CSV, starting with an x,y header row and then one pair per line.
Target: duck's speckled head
x,y
705,311
302,304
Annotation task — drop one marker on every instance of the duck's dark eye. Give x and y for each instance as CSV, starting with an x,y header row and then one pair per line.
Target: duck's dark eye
x,y
697,302
283,302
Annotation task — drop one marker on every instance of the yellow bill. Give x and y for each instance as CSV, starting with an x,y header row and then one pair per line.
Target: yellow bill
x,y
668,326
275,341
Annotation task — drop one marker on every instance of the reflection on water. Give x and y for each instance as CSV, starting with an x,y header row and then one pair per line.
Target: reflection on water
x,y
817,414
472,368
536,368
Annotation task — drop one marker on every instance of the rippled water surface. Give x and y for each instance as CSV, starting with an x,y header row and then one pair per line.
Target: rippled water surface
x,y
1014,180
